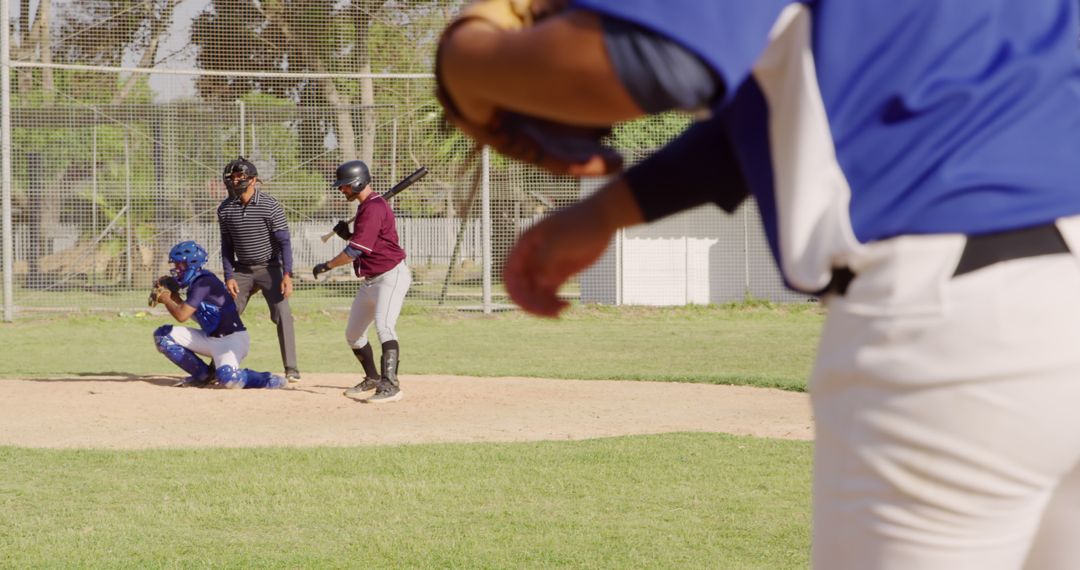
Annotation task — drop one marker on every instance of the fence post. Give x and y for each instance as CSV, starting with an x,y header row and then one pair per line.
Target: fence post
x,y
243,129
393,150
485,227
619,234
127,202
686,269
5,161
93,204
746,250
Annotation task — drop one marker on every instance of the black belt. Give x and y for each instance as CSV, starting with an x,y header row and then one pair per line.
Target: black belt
x,y
267,263
983,251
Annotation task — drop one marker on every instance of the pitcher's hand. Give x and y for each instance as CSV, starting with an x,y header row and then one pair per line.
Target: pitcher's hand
x,y
564,244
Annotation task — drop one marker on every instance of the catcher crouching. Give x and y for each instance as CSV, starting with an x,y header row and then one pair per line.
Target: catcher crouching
x,y
221,334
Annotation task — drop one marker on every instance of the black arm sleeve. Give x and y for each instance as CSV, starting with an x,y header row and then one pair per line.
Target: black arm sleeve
x,y
696,168
659,74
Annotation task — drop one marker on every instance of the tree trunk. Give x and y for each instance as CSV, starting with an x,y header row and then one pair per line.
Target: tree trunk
x,y
343,117
25,76
47,203
158,27
369,116
45,45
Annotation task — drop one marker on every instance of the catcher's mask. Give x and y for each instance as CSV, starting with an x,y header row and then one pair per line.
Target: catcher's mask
x,y
352,176
188,259
238,175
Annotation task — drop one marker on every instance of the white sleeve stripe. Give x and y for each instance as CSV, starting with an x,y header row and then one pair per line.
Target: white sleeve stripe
x,y
358,246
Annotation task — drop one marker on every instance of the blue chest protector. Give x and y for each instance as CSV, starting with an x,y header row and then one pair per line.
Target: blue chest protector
x,y
216,311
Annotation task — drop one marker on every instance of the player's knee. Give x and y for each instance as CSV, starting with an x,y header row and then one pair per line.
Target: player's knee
x,y
386,334
230,376
162,340
279,315
355,340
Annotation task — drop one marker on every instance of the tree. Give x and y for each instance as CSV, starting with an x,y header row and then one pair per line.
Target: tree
x,y
318,37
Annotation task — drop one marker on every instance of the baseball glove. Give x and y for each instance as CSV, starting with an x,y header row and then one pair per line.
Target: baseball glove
x,y
559,148
162,285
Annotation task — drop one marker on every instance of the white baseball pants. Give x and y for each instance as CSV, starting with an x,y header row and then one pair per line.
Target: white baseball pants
x,y
948,412
229,350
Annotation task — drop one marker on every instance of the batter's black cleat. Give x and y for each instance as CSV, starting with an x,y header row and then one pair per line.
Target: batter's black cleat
x,y
292,375
385,393
367,385
389,390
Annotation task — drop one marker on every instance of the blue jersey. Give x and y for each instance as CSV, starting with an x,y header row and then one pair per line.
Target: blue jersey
x,y
215,310
860,120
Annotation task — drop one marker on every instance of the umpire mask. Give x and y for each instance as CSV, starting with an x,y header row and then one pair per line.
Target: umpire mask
x,y
237,176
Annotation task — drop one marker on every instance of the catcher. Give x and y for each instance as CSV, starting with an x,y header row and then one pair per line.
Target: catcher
x,y
221,335
915,164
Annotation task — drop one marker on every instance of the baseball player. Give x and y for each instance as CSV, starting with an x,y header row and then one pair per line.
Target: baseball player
x,y
256,253
379,260
915,164
221,334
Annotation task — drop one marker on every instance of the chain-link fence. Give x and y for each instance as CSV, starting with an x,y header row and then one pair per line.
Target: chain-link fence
x,y
122,114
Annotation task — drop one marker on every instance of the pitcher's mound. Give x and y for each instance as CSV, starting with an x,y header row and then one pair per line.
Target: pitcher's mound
x,y
137,412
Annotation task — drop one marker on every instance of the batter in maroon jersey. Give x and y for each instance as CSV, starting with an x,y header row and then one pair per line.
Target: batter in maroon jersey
x,y
379,261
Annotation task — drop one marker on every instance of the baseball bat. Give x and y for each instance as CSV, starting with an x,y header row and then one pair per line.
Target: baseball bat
x,y
408,181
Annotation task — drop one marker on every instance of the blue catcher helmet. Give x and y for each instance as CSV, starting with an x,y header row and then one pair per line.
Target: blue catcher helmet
x,y
192,256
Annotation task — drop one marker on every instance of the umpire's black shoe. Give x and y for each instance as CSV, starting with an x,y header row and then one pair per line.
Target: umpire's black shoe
x,y
367,385
292,375
386,392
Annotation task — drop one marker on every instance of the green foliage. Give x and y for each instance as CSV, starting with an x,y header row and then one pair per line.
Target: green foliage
x,y
643,136
669,501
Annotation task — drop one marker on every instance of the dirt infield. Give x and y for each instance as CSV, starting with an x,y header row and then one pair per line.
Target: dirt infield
x,y
135,412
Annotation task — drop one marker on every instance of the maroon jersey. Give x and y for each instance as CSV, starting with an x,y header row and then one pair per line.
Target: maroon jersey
x,y
375,234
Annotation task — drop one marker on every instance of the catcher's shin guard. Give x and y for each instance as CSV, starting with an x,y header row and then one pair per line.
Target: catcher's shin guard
x,y
234,378
182,357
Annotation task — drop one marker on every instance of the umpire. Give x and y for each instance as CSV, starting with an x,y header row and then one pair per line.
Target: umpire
x,y
256,253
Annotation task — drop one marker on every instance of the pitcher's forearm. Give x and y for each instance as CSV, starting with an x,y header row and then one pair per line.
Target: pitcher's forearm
x,y
614,207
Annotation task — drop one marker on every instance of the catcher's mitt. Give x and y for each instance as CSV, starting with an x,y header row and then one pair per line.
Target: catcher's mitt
x,y
161,285
563,149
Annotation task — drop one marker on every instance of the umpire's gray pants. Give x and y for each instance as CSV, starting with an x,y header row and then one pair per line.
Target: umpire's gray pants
x,y
379,300
251,279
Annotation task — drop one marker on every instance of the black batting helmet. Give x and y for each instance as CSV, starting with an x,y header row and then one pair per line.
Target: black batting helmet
x,y
353,173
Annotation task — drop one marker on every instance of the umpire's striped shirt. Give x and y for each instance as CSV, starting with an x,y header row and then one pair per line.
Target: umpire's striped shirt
x,y
255,233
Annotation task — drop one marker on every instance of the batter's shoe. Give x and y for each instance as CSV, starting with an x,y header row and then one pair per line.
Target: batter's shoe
x,y
367,385
292,375
389,389
385,393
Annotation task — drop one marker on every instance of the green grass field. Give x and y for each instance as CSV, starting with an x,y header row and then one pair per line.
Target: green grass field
x,y
664,501
739,344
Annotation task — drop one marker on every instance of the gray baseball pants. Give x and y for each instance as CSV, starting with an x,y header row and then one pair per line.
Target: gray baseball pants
x,y
379,300
267,278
